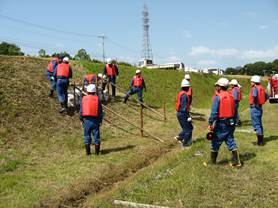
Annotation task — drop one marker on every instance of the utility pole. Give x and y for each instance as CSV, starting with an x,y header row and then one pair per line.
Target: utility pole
x,y
103,54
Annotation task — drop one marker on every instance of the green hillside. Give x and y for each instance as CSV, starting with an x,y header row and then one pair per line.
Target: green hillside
x,y
42,158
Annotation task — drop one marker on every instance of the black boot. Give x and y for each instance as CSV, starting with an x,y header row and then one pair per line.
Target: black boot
x,y
126,98
88,149
260,140
213,157
62,108
97,148
235,159
51,93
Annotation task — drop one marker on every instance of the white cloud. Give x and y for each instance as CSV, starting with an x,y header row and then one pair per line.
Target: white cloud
x,y
201,50
235,53
187,34
263,27
206,62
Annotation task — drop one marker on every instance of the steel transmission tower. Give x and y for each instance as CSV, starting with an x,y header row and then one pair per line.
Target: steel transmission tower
x,y
146,49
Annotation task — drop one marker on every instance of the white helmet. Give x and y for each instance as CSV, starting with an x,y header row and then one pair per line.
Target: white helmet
x,y
256,79
138,71
109,60
91,88
187,76
223,82
66,59
275,76
100,75
185,83
233,82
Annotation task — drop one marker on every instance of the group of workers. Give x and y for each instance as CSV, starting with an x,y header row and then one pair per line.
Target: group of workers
x,y
91,114
224,115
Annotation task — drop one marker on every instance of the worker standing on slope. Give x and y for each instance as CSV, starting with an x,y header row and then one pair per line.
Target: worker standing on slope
x,y
221,122
91,115
257,98
182,108
189,93
51,69
235,92
111,71
64,73
137,84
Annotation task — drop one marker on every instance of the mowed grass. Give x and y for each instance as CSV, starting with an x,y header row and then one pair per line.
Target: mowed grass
x,y
179,178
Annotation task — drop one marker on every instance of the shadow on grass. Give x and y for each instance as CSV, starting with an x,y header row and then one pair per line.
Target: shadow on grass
x,y
270,138
243,157
116,149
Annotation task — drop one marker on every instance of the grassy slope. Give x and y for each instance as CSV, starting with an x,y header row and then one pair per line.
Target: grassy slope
x,y
180,180
41,152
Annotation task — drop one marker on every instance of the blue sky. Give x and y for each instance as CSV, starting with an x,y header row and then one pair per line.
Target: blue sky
x,y
215,33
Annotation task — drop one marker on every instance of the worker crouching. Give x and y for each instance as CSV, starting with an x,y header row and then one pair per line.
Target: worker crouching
x,y
257,98
221,122
91,115
137,85
182,108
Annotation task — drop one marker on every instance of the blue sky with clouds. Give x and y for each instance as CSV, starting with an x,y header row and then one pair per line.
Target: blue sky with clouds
x,y
200,33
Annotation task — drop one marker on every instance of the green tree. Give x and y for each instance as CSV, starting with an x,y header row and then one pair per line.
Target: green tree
x,y
42,53
82,55
10,49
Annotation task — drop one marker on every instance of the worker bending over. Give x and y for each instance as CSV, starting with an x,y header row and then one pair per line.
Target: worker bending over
x,y
182,108
221,122
137,84
235,92
64,73
91,115
51,70
257,98
111,71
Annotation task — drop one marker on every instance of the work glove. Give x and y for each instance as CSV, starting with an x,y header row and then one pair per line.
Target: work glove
x,y
51,78
210,128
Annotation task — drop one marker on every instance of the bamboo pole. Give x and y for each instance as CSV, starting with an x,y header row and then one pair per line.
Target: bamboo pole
x,y
120,89
142,121
137,205
106,120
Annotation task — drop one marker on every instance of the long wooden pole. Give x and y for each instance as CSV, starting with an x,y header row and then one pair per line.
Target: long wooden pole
x,y
142,121
140,102
164,110
137,205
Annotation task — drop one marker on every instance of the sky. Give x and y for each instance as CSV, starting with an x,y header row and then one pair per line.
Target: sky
x,y
199,33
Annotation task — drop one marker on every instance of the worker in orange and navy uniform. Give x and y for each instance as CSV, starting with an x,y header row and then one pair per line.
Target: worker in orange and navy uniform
x,y
221,122
91,115
51,68
137,84
111,71
182,108
257,98
189,93
235,92
63,74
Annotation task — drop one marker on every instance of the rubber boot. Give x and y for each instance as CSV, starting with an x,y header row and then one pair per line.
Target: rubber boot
x,y
213,157
51,93
235,159
62,108
88,149
97,148
260,140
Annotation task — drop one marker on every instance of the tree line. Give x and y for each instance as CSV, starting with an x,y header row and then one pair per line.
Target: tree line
x,y
259,68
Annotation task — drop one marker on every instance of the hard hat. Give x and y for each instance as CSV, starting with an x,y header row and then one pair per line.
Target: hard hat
x,y
66,59
187,76
138,71
109,60
233,82
275,76
256,79
223,82
104,76
100,75
185,83
91,88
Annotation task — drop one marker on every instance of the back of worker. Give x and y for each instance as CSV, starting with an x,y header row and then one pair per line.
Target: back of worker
x,y
91,115
190,91
221,122
51,70
236,93
90,79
